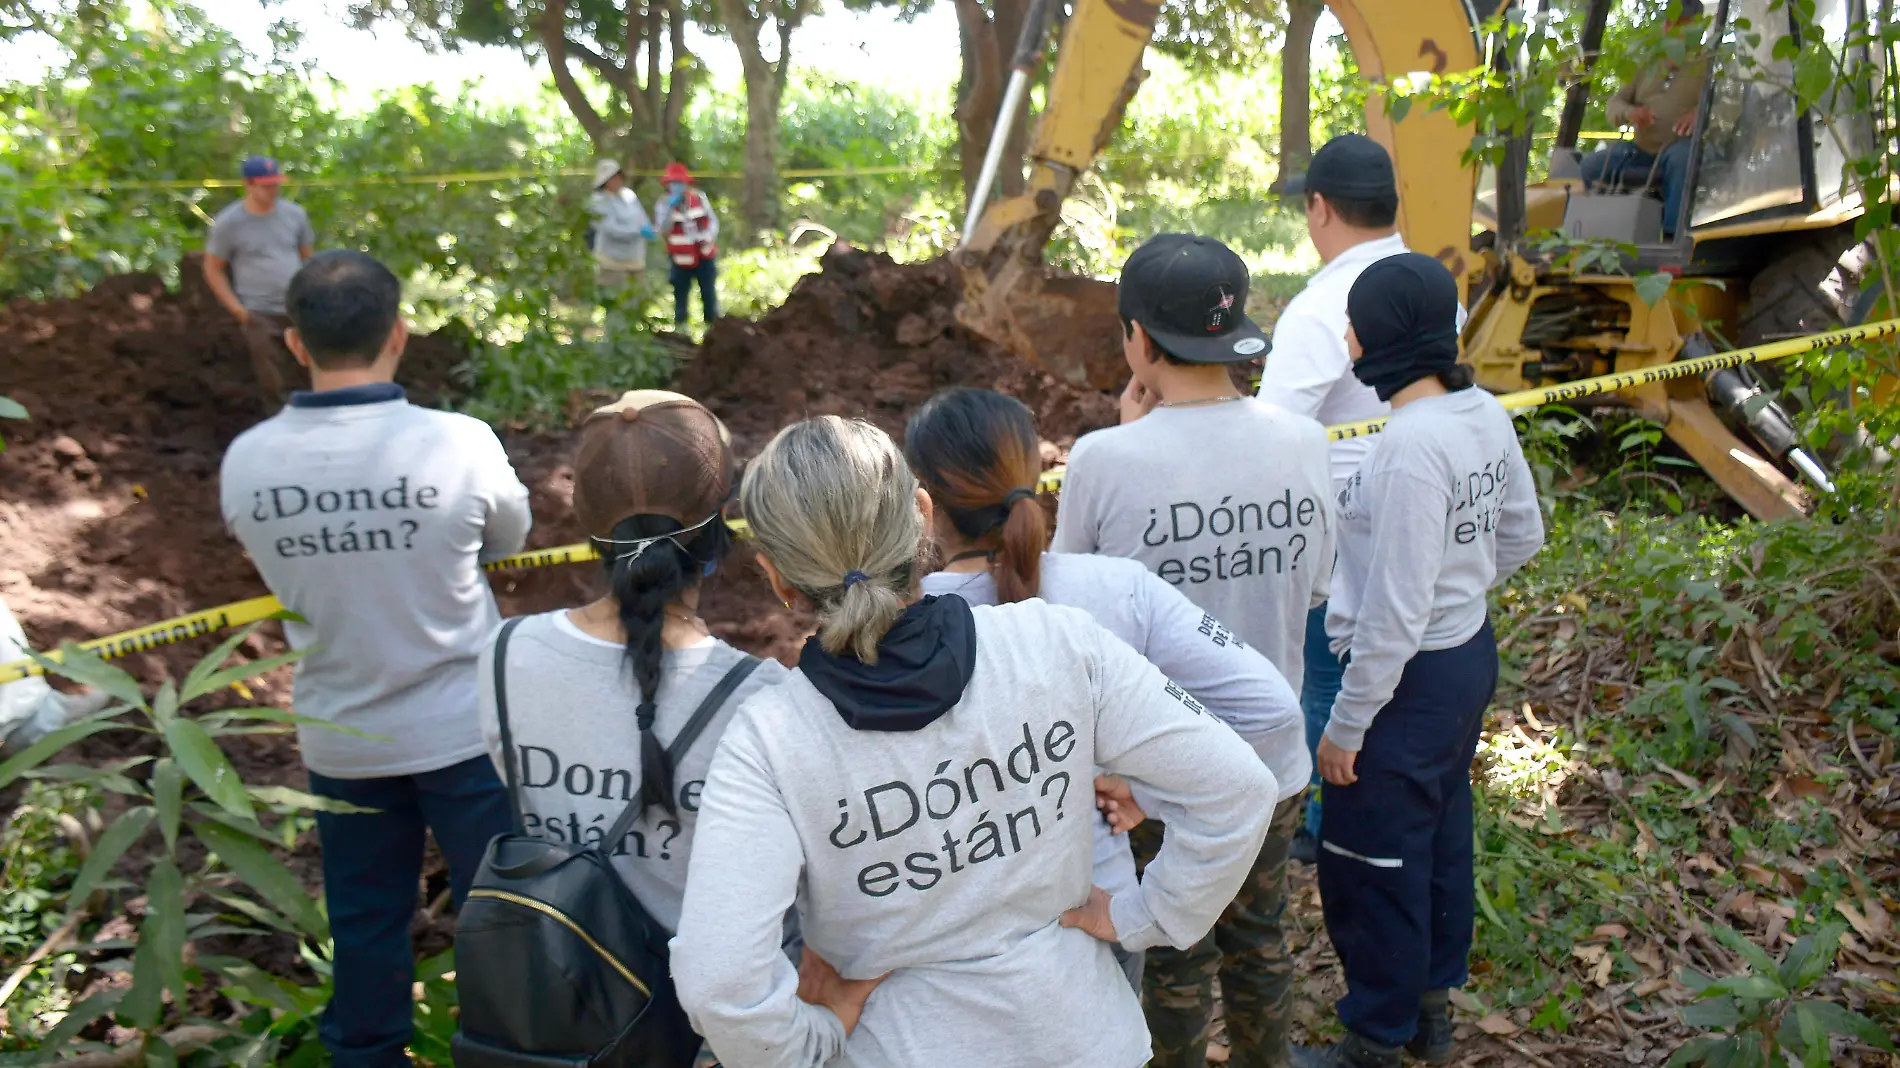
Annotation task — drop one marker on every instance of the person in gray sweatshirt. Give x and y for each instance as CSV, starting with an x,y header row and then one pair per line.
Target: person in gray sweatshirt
x,y
595,694
369,517
1441,509
975,452
919,787
1226,498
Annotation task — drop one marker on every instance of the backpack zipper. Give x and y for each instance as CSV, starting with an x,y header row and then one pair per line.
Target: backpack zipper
x,y
566,921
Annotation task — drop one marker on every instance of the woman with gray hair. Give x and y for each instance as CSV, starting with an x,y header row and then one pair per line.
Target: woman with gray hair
x,y
920,789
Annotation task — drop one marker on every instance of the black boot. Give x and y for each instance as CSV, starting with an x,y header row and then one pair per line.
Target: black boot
x,y
1355,1051
1432,1043
1305,847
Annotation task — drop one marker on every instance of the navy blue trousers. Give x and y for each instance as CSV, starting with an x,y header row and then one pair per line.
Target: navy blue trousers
x,y
1395,860
682,279
372,867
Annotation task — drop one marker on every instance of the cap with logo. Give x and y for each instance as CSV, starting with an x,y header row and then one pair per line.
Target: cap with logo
x,y
651,453
1190,294
261,168
1349,167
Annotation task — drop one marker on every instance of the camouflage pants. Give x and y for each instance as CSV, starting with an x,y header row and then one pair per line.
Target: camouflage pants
x,y
1247,949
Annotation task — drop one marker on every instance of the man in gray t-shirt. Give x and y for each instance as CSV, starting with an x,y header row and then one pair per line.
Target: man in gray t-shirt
x,y
256,245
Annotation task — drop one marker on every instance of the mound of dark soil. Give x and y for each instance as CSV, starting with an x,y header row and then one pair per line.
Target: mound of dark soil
x,y
871,338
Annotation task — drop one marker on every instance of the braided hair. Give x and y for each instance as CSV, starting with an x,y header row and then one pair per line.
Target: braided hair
x,y
643,584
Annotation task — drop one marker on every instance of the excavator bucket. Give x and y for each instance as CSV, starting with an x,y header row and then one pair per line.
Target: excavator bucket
x,y
1062,323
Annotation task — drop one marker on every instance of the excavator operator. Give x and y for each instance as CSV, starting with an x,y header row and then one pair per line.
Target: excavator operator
x,y
1660,101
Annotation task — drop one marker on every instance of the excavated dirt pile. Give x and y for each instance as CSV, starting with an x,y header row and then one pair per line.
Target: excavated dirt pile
x,y
868,337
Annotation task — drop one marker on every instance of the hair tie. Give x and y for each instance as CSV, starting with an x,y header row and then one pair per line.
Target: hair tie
x,y
1017,494
852,578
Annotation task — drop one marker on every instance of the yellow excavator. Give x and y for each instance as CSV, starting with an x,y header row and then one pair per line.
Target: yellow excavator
x,y
1763,220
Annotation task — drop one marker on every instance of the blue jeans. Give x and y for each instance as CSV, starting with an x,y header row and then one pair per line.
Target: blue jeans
x,y
372,867
682,279
1395,863
1632,164
1317,691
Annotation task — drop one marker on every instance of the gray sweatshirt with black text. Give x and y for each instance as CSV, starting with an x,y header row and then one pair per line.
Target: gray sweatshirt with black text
x,y
945,856
1441,510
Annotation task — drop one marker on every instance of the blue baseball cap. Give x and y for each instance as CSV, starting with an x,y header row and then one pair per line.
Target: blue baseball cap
x,y
261,167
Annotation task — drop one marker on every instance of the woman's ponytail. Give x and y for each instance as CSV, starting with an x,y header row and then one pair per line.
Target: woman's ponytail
x,y
977,455
643,584
1019,559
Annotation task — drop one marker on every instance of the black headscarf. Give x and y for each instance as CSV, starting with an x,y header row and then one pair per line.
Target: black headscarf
x,y
1404,310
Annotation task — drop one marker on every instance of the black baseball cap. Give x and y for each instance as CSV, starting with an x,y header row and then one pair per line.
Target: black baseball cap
x,y
1349,167
1190,294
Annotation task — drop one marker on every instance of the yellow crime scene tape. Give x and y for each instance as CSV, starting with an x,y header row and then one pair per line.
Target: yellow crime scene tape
x,y
212,620
463,177
467,177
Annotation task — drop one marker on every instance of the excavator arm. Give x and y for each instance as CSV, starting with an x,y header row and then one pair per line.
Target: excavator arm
x,y
1067,324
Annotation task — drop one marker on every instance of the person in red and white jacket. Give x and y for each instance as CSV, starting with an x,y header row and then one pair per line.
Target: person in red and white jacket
x,y
684,217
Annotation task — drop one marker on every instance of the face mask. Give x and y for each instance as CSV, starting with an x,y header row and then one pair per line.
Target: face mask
x,y
678,189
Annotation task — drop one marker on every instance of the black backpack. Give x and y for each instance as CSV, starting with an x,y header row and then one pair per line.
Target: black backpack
x,y
557,963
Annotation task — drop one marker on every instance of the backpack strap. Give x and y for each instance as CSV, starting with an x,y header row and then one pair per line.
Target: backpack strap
x,y
735,676
501,714
683,741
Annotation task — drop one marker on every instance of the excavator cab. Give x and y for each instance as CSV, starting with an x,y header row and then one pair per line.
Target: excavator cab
x,y
1757,162
1767,252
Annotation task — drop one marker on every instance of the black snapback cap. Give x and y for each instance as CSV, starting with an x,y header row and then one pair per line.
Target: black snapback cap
x,y
1190,294
1349,167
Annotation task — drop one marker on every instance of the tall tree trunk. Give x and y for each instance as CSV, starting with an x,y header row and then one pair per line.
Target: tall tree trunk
x,y
554,41
988,37
758,195
1296,89
764,89
679,80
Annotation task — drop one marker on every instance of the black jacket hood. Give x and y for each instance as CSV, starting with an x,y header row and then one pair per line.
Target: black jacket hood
x,y
922,666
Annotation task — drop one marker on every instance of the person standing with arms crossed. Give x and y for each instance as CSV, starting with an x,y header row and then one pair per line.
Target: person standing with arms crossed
x,y
256,245
1227,499
1352,205
1441,510
369,517
686,218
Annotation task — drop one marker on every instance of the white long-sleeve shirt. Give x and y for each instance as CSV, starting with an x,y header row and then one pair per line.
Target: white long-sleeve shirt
x,y
619,233
1234,681
369,516
945,856
1442,509
1309,371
